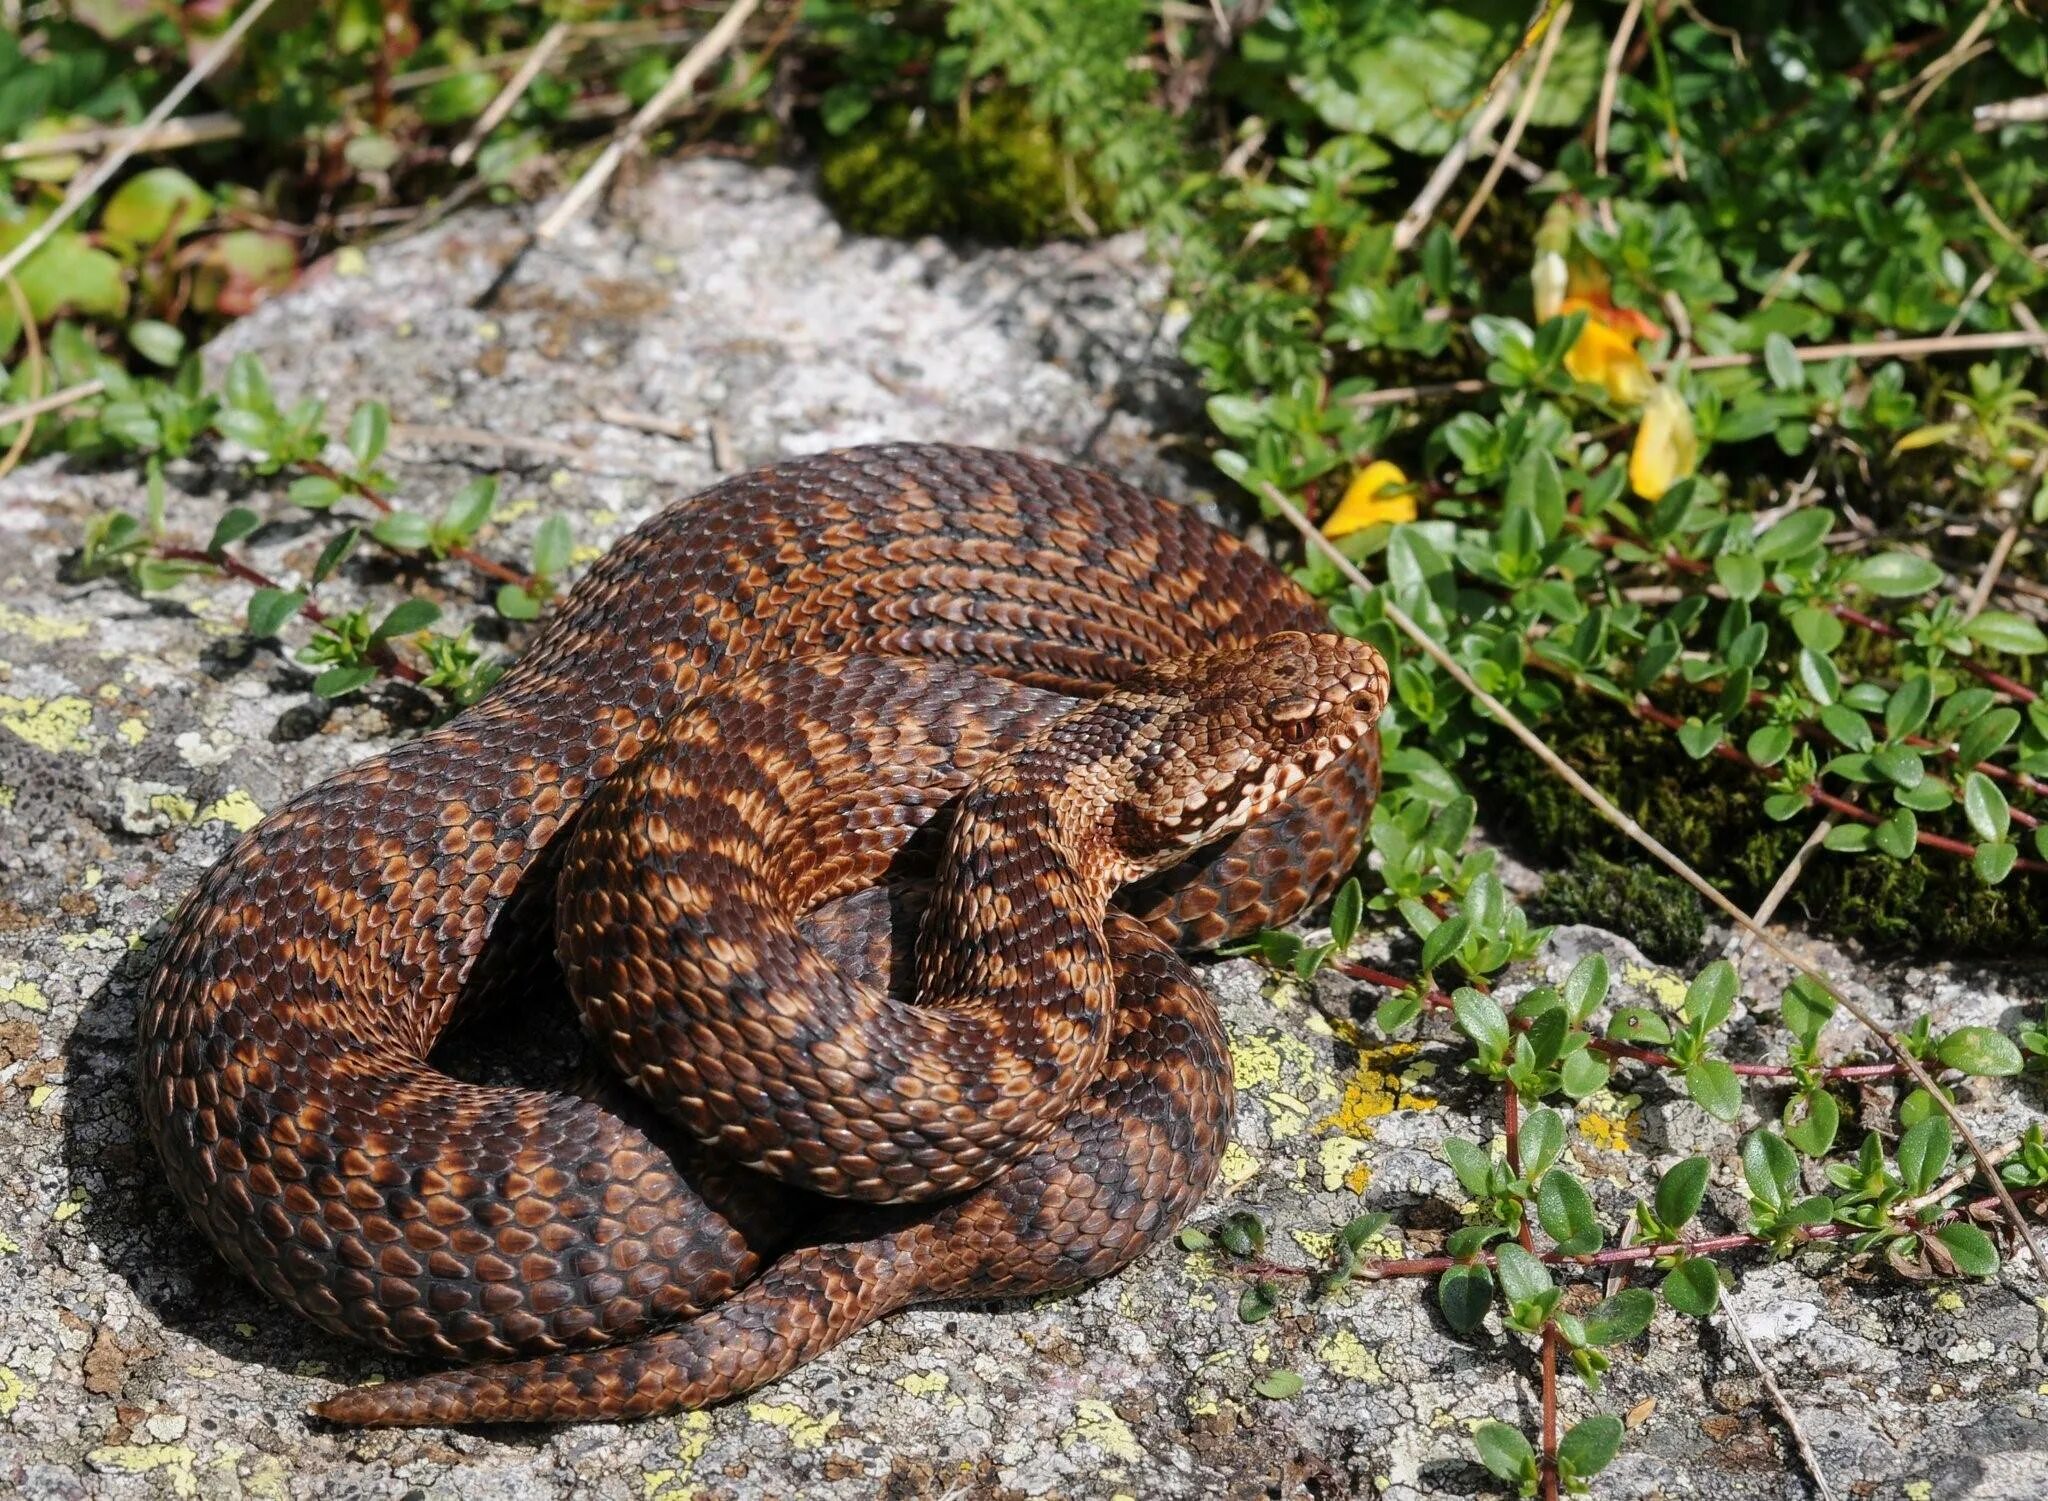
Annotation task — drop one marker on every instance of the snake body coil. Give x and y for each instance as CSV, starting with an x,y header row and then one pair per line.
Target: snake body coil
x,y
724,659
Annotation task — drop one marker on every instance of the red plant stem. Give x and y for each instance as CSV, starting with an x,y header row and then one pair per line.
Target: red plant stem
x,y
1432,1266
1437,1000
234,567
489,567
1550,1476
1821,797
2020,691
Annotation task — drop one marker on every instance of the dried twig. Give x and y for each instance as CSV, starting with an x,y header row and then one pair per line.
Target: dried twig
x,y
1873,349
515,86
1607,809
1500,93
1936,73
1523,110
2030,111
1799,1443
39,372
1603,114
91,182
646,422
189,130
55,401
700,57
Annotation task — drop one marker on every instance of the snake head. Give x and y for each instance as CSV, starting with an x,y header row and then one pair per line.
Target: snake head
x,y
1235,731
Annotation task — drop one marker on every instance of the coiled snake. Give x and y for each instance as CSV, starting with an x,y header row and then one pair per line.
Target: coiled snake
x,y
775,735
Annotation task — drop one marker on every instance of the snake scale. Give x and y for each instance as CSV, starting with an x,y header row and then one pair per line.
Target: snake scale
x,y
817,788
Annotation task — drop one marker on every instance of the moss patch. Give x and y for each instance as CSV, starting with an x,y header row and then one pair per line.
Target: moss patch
x,y
1659,912
998,175
1711,813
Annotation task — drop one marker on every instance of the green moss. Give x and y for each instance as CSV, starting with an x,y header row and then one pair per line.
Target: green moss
x,y
1659,912
1711,813
998,175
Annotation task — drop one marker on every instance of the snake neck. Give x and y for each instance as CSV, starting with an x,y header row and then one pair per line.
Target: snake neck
x,y
1019,903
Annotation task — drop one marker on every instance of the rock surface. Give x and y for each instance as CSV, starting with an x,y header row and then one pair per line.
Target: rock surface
x,y
137,737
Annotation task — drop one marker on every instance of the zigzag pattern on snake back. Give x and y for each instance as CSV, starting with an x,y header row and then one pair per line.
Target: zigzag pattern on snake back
x,y
285,1035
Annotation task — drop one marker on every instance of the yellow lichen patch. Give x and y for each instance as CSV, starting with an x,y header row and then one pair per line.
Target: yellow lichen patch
x,y
693,1437
177,808
1610,1133
12,1390
267,1479
7,796
132,730
40,1096
1097,1423
24,993
175,1460
15,622
1344,1165
73,1202
924,1383
236,809
1661,983
1239,1166
805,1431
1285,1115
1949,1302
1255,1062
56,725
9,1246
1378,1087
1318,1243
1345,1354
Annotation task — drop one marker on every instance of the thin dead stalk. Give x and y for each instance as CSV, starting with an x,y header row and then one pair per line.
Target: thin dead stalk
x,y
1524,108
514,89
699,58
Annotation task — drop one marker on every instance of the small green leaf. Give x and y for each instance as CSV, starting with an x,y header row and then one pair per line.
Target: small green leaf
x,y
1523,1279
1565,1210
316,492
1994,862
1781,362
337,549
336,682
1680,1191
1622,1317
1970,1248
1591,1445
269,609
402,531
551,546
1504,1452
1715,1089
406,617
369,430
1985,806
1277,1386
1473,1166
1694,1287
2003,631
1711,995
1896,575
1480,1018
1981,1052
1257,1302
233,527
1444,940
1924,1154
1898,835
157,342
1396,1012
1770,1170
1541,1139
1586,986
1465,1293
1345,912
1640,1026
1191,1239
1811,1121
514,603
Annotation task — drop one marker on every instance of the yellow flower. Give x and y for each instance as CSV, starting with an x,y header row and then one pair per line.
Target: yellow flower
x,y
1378,493
1605,355
1667,446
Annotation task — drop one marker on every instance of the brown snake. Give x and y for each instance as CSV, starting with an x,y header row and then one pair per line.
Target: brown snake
x,y
748,783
